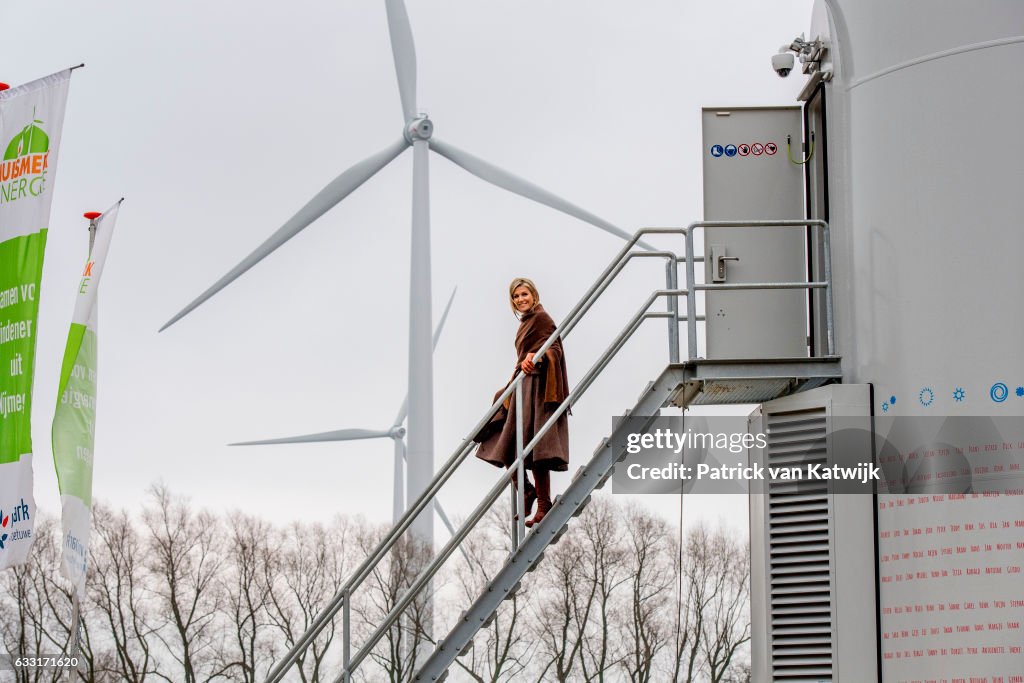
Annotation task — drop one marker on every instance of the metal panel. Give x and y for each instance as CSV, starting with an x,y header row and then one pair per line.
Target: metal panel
x,y
812,610
928,226
812,576
747,175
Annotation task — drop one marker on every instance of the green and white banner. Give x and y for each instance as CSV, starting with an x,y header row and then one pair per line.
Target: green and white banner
x,y
31,118
74,421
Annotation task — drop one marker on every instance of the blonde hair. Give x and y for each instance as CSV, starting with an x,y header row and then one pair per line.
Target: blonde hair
x,y
516,284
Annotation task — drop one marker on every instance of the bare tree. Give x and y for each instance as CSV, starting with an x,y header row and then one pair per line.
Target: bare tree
x,y
562,610
503,654
604,571
248,649
645,623
401,646
714,622
120,599
685,665
300,577
727,626
184,567
190,598
25,622
36,609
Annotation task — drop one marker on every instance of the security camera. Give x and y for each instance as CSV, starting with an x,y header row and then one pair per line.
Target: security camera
x,y
783,63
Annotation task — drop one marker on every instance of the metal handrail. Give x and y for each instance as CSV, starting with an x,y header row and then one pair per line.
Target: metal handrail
x,y
495,491
455,460
826,284
343,596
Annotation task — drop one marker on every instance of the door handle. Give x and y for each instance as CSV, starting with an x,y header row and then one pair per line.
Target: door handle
x,y
718,259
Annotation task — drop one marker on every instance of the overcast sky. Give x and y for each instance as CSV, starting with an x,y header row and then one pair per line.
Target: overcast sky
x,y
217,123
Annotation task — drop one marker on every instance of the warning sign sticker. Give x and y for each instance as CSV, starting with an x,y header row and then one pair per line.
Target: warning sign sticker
x,y
757,149
771,148
743,150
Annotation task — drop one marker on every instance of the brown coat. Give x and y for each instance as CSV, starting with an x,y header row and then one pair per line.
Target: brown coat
x,y
543,391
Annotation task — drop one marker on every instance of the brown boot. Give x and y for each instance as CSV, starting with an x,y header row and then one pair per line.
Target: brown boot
x,y
529,495
542,479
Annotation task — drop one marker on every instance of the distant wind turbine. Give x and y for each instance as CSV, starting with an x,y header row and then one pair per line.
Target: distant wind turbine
x,y
396,432
417,132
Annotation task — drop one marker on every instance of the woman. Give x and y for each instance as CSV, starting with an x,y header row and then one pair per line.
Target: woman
x,y
545,386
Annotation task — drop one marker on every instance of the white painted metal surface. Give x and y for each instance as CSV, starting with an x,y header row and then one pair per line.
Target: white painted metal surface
x,y
925,168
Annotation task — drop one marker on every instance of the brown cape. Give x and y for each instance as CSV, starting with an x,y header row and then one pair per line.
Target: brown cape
x,y
543,391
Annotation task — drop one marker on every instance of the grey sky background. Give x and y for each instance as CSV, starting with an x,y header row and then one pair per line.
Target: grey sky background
x,y
217,122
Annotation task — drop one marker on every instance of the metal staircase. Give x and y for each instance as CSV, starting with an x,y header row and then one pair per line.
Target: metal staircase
x,y
694,381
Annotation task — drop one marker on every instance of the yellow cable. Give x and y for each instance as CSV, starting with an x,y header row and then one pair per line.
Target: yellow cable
x,y
789,151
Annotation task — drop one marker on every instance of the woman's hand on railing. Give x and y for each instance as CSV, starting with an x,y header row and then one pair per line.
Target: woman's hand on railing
x,y
528,365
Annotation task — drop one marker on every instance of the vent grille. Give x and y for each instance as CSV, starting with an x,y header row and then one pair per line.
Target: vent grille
x,y
800,584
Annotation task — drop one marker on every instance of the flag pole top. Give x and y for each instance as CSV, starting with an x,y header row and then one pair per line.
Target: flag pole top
x,y
4,86
92,215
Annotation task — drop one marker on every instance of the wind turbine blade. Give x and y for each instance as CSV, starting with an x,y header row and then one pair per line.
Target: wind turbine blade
x,y
404,51
444,517
513,183
336,190
337,435
444,316
404,410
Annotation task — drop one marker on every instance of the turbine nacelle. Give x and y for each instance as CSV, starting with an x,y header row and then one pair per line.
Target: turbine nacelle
x,y
420,128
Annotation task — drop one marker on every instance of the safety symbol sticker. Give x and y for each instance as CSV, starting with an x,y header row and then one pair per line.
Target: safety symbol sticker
x,y
999,392
959,394
730,150
926,396
771,148
716,150
757,149
743,150
1020,392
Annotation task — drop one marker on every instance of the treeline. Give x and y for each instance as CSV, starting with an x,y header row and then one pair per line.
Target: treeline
x,y
185,596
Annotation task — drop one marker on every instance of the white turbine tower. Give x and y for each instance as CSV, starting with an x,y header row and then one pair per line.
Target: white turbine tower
x,y
417,133
396,432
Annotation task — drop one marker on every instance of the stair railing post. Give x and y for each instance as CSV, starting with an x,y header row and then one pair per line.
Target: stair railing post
x,y
691,297
346,635
520,471
513,527
829,315
672,305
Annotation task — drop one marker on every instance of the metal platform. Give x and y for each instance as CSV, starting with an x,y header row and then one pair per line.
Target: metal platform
x,y
725,382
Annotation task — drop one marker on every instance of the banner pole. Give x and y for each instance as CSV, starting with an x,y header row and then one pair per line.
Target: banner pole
x,y
92,216
76,608
76,627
